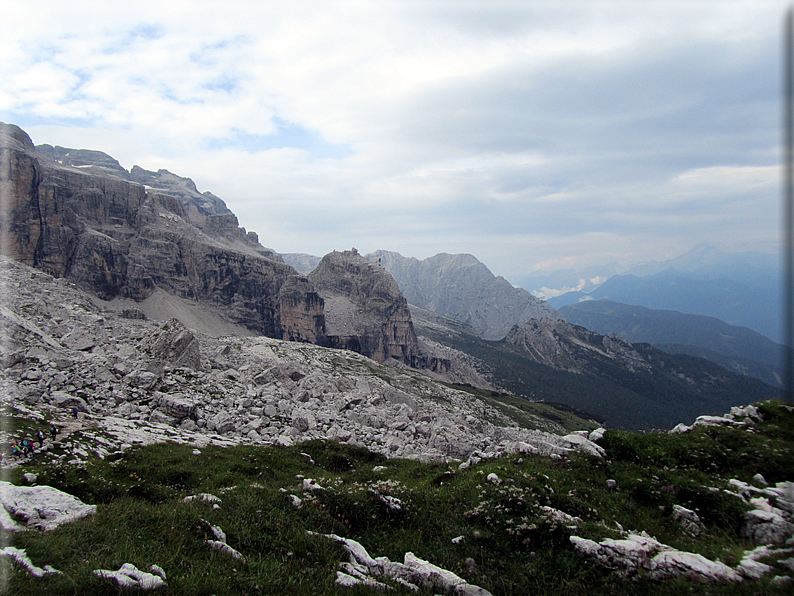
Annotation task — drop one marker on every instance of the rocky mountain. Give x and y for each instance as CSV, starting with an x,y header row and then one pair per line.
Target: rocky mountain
x,y
364,309
461,287
650,387
737,348
571,348
141,235
198,206
94,224
138,381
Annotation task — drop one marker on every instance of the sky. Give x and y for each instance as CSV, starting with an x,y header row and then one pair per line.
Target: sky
x,y
531,134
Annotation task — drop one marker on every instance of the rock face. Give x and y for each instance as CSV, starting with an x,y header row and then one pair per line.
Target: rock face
x,y
364,309
79,215
575,349
461,287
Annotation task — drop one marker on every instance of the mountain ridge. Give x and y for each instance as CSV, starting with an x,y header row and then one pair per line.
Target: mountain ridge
x,y
553,361
737,348
730,301
463,288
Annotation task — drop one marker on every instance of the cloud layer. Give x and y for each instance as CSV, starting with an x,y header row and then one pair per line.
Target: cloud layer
x,y
523,133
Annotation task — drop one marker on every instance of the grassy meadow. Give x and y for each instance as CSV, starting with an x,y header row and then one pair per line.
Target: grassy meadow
x,y
508,546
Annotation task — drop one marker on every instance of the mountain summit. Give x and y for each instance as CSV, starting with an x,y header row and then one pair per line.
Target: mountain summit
x,y
462,288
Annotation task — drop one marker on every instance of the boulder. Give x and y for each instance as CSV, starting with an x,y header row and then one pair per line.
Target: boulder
x,y
767,527
62,399
40,507
175,344
688,520
640,555
303,420
142,379
176,406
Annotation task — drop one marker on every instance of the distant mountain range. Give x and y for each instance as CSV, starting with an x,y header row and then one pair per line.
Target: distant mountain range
x,y
302,262
737,348
755,306
702,262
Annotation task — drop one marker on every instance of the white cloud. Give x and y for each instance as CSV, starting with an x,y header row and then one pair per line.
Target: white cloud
x,y
524,133
729,179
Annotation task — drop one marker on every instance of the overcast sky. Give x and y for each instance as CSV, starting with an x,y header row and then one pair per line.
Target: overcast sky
x,y
530,134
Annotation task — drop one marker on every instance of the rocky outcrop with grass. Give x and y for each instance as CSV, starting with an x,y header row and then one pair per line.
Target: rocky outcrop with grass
x,y
655,513
39,507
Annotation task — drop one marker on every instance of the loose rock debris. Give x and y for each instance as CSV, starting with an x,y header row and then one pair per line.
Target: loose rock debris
x,y
21,557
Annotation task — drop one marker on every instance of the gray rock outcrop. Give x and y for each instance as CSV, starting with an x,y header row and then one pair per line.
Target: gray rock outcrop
x,y
40,507
365,310
575,349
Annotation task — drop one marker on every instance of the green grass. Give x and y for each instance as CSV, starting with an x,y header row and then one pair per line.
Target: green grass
x,y
534,415
516,550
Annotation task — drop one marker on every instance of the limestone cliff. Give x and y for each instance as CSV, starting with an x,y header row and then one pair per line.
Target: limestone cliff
x,y
78,214
364,309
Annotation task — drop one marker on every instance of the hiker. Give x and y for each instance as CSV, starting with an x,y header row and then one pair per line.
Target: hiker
x,y
41,439
74,412
15,450
53,432
27,447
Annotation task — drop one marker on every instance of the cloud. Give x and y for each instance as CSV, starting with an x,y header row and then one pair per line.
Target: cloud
x,y
522,133
288,134
729,179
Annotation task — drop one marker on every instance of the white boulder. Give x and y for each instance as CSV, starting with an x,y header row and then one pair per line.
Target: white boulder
x,y
41,507
129,576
